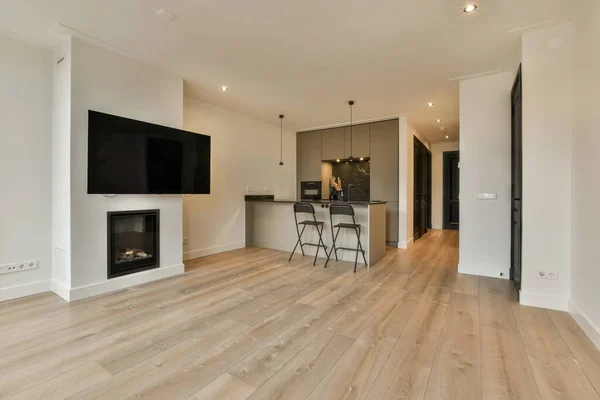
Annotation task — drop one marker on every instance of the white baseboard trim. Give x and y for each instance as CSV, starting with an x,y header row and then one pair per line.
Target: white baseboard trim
x,y
404,245
61,290
482,270
124,282
591,330
28,289
543,300
213,250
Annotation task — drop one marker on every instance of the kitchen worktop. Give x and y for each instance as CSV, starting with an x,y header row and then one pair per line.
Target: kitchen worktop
x,y
271,199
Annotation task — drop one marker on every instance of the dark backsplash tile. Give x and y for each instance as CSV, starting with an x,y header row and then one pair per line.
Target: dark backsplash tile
x,y
358,174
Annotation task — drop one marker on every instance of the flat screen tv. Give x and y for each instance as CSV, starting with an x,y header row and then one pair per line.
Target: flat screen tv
x,y
126,156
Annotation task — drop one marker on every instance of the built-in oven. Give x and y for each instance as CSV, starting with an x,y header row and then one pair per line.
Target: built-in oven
x,y
310,190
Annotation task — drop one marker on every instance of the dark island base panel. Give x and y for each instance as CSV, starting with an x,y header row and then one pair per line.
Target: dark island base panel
x,y
271,198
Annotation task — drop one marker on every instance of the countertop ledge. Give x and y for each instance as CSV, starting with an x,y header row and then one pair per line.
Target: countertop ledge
x,y
271,199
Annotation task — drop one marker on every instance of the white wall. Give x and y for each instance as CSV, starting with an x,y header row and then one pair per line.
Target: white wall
x,y
403,201
61,168
25,157
585,274
245,152
105,81
547,129
485,165
437,186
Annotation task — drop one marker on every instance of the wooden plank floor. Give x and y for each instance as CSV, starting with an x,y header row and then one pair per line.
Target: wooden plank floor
x,y
249,325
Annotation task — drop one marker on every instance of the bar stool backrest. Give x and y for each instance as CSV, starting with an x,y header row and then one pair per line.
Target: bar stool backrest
x,y
341,209
304,208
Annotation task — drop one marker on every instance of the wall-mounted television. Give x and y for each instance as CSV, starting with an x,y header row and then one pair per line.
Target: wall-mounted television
x,y
126,156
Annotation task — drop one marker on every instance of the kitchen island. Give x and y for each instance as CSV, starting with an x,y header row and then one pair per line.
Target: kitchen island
x,y
270,223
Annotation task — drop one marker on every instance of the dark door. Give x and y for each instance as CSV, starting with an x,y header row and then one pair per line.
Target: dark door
x,y
421,189
451,190
429,189
417,178
517,185
425,157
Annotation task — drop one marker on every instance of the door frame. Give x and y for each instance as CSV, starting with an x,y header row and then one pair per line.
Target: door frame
x,y
446,188
429,189
417,180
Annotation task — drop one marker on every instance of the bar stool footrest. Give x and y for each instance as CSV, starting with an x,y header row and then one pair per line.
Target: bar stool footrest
x,y
313,244
349,249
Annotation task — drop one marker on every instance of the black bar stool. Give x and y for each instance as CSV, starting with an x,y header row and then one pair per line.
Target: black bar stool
x,y
307,208
348,210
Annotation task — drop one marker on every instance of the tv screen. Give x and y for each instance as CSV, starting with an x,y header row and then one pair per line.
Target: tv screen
x,y
126,156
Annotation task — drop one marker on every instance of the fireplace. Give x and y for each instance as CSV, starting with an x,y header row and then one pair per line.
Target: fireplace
x,y
133,242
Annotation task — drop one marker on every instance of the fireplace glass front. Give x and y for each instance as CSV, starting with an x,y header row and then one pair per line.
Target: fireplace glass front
x,y
133,242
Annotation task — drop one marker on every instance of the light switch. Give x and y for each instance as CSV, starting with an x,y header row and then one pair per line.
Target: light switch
x,y
486,196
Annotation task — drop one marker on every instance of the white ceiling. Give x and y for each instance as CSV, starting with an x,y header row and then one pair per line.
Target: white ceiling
x,y
307,58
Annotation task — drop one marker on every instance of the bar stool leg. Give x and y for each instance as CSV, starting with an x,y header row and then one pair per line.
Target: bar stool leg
x,y
320,243
361,248
334,242
333,249
357,248
299,241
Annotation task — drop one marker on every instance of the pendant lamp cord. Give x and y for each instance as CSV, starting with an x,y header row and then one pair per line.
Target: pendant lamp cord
x,y
281,139
351,121
351,103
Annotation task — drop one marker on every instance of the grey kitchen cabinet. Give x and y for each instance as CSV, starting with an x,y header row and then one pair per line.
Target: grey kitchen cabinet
x,y
384,172
358,141
308,157
384,160
392,222
333,144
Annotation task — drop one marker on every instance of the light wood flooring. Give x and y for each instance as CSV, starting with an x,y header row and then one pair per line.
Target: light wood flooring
x,y
249,325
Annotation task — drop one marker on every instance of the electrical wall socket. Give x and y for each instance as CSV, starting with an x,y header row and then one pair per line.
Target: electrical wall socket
x,y
185,242
18,267
268,189
546,274
249,189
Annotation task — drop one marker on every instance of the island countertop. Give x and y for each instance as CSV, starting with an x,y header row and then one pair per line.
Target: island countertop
x,y
270,223
271,199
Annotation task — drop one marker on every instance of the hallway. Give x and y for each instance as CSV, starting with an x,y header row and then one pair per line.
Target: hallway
x,y
249,325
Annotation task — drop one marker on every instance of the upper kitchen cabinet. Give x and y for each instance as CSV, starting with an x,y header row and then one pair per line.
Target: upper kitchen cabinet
x,y
308,156
384,162
333,144
357,141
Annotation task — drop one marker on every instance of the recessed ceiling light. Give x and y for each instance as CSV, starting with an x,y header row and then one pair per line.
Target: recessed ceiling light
x,y
224,88
439,120
429,104
470,8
